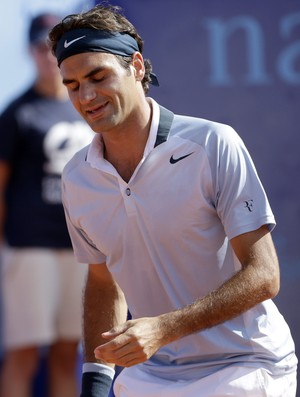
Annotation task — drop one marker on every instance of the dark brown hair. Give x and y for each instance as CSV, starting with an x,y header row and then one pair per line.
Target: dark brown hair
x,y
102,17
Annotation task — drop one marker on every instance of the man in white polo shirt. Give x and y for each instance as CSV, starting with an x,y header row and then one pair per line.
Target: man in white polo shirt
x,y
173,219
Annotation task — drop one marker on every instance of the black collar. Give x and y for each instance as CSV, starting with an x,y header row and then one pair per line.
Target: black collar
x,y
165,121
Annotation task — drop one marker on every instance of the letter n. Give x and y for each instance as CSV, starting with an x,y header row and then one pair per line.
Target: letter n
x,y
219,34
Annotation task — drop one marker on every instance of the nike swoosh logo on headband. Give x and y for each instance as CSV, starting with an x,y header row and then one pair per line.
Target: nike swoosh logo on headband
x,y
67,44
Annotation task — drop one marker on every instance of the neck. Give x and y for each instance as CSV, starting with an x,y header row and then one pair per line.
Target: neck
x,y
125,149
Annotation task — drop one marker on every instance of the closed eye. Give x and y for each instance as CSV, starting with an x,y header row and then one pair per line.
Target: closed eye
x,y
96,79
72,86
96,75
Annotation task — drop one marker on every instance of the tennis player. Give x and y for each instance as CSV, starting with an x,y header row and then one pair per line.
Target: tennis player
x,y
170,213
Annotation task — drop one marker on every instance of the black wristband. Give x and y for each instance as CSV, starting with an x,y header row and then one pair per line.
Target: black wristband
x,y
95,384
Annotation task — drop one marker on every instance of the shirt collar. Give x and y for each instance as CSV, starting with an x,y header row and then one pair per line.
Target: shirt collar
x,y
95,154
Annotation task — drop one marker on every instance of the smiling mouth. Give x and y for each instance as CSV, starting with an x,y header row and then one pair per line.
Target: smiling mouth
x,y
93,113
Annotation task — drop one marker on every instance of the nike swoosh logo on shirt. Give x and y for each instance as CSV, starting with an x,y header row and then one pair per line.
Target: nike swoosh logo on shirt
x,y
173,161
68,43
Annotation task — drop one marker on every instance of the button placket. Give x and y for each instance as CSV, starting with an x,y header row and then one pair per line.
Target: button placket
x,y
128,197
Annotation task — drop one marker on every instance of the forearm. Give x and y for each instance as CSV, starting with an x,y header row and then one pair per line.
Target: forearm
x,y
104,307
230,300
137,340
257,281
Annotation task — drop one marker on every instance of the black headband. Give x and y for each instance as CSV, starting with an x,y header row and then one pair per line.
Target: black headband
x,y
78,41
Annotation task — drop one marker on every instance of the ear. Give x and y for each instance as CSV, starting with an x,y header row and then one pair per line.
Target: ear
x,y
138,66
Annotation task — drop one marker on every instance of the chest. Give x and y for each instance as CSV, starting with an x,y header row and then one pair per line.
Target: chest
x,y
164,198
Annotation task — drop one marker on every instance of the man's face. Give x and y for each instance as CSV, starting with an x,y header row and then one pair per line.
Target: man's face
x,y
101,89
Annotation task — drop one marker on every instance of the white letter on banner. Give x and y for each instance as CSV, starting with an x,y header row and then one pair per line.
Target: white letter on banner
x,y
287,59
219,33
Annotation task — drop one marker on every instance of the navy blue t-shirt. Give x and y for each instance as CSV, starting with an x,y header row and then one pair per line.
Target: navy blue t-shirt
x,y
38,136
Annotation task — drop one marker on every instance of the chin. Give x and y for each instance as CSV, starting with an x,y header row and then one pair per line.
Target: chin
x,y
97,127
101,125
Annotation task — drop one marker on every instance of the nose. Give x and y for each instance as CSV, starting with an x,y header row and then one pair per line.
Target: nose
x,y
86,93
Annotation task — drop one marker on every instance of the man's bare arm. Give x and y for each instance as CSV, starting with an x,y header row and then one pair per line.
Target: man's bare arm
x,y
258,280
104,307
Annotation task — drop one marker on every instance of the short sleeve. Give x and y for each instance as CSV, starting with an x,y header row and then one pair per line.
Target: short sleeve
x,y
241,201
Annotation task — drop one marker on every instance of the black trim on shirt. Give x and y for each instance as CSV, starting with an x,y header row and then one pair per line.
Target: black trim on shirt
x,y
165,121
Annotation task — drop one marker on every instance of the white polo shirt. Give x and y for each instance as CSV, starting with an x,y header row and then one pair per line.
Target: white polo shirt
x,y
165,237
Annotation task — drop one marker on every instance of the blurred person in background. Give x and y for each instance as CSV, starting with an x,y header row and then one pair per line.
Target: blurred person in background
x,y
41,281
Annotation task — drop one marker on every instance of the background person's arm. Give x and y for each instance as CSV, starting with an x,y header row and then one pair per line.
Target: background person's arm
x,y
5,171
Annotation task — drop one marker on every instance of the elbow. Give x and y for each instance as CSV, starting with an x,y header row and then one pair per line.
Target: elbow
x,y
272,286
275,288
